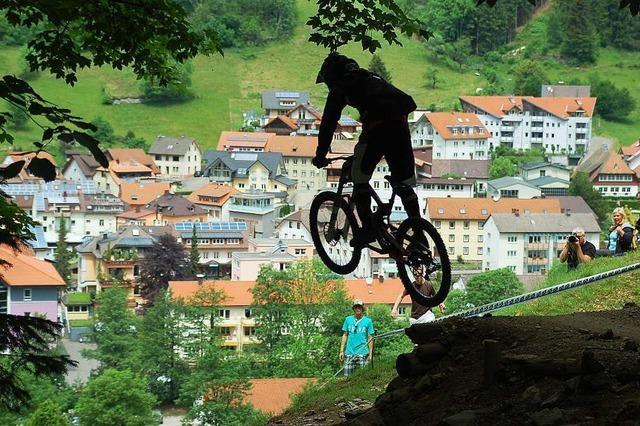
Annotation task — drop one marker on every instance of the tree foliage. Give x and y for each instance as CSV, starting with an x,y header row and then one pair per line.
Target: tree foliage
x,y
62,254
194,255
48,413
376,66
431,76
179,89
501,167
491,286
115,398
529,78
613,103
166,260
582,186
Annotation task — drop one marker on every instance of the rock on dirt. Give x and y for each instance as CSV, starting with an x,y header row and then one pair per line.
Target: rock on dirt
x,y
579,369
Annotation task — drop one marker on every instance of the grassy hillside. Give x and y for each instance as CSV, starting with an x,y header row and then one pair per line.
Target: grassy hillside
x,y
225,87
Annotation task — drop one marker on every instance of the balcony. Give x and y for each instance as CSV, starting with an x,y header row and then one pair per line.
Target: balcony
x,y
533,140
506,139
537,261
538,246
507,128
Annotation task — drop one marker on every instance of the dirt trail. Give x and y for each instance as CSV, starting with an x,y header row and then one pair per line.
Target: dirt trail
x,y
581,369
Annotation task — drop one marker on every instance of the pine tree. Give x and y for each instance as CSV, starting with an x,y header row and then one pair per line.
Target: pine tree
x,y
579,38
62,255
194,255
377,66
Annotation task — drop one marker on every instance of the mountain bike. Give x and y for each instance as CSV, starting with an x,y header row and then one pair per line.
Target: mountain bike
x,y
415,245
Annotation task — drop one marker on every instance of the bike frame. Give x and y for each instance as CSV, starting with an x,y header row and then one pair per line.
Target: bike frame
x,y
386,240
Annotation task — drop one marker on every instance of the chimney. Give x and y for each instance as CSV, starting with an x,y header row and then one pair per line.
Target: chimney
x,y
515,212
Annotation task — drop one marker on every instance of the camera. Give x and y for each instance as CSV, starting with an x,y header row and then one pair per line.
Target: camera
x,y
572,238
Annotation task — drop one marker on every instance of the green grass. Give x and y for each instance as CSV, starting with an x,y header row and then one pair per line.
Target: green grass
x,y
611,293
227,86
78,298
81,323
366,384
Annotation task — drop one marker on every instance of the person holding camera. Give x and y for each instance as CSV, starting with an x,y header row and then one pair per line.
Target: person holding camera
x,y
577,249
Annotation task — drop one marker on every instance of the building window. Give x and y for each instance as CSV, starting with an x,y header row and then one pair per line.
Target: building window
x,y
479,251
437,224
512,239
480,238
101,222
452,225
465,250
452,250
176,158
248,313
466,224
224,313
452,238
480,226
465,238
249,331
511,253
27,295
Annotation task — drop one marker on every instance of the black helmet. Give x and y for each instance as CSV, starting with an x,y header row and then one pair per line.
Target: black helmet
x,y
334,67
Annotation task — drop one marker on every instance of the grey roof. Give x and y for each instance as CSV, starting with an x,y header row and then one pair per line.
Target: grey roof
x,y
545,223
573,203
547,180
565,91
175,205
40,241
271,98
593,161
538,164
123,238
507,181
285,180
473,169
301,215
240,162
168,145
86,162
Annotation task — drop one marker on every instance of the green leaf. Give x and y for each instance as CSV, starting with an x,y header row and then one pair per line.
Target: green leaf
x,y
47,134
41,167
92,145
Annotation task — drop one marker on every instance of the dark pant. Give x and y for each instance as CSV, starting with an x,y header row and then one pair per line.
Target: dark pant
x,y
390,139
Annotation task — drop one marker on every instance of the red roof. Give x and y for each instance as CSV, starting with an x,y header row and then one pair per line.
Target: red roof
x,y
26,270
445,123
273,396
563,107
289,122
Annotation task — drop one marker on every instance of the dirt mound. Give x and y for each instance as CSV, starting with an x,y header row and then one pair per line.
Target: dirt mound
x,y
571,369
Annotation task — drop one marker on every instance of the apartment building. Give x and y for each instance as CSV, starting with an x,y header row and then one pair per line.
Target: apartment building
x,y
113,259
243,141
214,198
245,171
279,102
216,241
552,179
177,156
557,125
529,244
236,321
297,153
461,221
452,135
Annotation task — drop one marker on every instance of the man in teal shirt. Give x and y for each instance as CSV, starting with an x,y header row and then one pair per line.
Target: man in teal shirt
x,y
358,337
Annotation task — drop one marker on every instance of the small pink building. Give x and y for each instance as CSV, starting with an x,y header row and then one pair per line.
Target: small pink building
x,y
29,286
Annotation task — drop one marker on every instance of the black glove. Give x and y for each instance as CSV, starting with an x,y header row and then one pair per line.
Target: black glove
x,y
320,162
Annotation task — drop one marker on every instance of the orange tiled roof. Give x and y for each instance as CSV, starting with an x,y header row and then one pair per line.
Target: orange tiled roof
x,y
27,157
317,114
631,149
564,107
221,192
289,122
474,208
238,293
135,214
444,122
615,165
27,270
137,154
498,106
243,139
293,146
128,166
274,395
143,192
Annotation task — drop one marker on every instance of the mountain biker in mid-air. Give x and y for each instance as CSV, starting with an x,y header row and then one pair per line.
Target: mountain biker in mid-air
x,y
385,133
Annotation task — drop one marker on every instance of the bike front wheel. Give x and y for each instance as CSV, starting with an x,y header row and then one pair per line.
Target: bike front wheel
x,y
333,225
425,261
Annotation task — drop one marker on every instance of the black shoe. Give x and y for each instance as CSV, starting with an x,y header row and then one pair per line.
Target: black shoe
x,y
362,238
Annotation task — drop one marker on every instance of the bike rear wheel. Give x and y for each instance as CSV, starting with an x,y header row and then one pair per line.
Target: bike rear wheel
x,y
425,260
332,228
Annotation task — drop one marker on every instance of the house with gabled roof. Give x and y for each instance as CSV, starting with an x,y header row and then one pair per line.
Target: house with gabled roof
x,y
556,125
143,192
279,102
249,170
243,141
134,157
452,135
280,125
177,156
82,168
172,208
513,187
25,176
29,286
614,178
214,198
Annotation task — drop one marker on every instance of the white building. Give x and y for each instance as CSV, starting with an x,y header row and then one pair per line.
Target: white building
x,y
556,125
513,187
538,169
295,226
453,135
177,157
83,168
529,244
